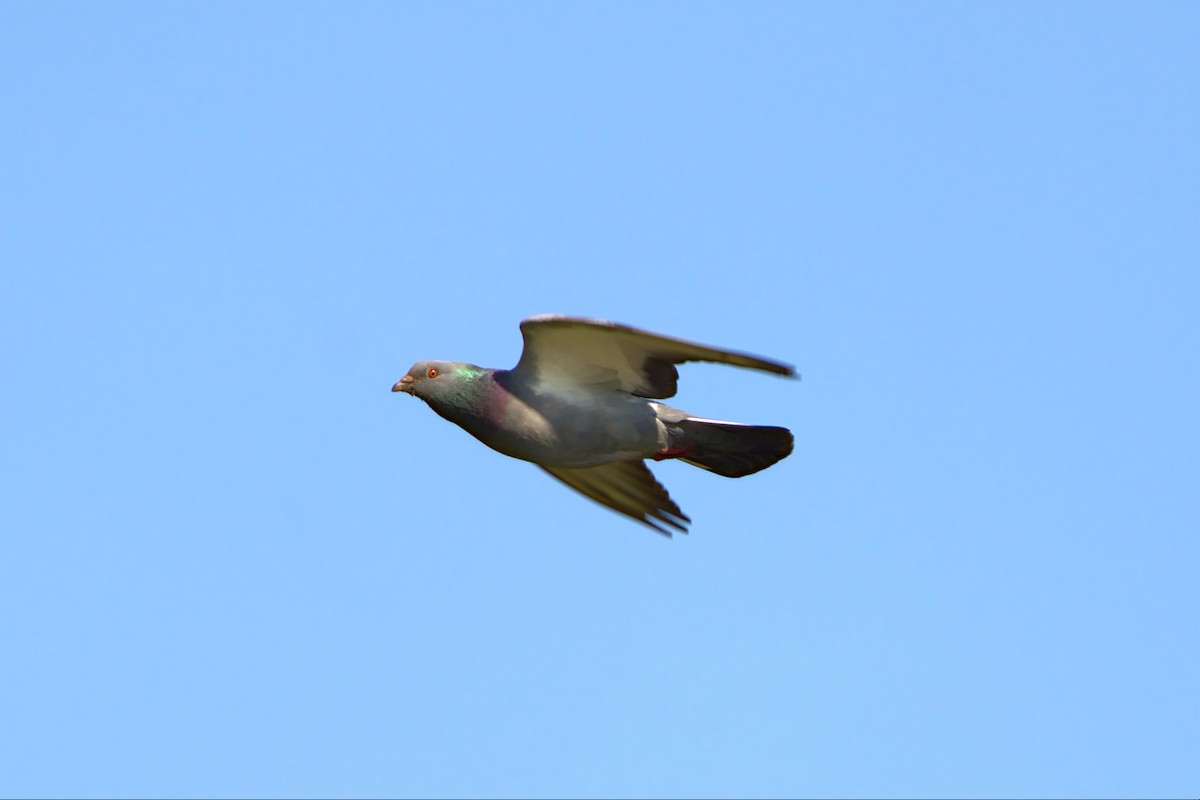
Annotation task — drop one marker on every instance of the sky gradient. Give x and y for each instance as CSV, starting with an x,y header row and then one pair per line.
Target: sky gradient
x,y
235,564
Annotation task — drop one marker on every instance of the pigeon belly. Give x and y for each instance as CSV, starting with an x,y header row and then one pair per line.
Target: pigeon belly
x,y
577,430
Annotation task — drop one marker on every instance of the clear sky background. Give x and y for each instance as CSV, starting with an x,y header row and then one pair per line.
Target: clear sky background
x,y
233,563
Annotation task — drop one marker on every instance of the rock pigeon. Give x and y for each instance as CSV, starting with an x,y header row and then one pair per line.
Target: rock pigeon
x,y
581,405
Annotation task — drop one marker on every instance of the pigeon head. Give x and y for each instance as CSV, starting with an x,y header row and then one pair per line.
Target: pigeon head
x,y
442,383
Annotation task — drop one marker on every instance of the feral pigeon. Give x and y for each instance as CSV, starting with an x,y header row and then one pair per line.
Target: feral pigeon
x,y
581,405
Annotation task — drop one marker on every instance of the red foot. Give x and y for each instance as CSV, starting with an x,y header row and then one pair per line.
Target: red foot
x,y
672,452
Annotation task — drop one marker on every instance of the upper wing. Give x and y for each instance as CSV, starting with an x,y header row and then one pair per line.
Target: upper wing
x,y
571,351
629,488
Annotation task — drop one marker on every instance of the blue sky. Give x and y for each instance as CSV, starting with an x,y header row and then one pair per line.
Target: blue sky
x,y
235,564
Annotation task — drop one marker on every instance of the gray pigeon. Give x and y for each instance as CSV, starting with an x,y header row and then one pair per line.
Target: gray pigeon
x,y
578,404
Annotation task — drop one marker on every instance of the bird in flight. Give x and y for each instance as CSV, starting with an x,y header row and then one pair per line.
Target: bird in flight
x,y
581,404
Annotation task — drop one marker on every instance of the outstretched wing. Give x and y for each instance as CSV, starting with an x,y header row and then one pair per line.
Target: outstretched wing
x,y
629,488
571,352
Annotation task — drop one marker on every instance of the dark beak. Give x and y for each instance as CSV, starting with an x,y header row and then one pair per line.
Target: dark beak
x,y
404,384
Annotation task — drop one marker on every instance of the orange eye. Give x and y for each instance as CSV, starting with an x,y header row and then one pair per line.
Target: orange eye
x,y
433,373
